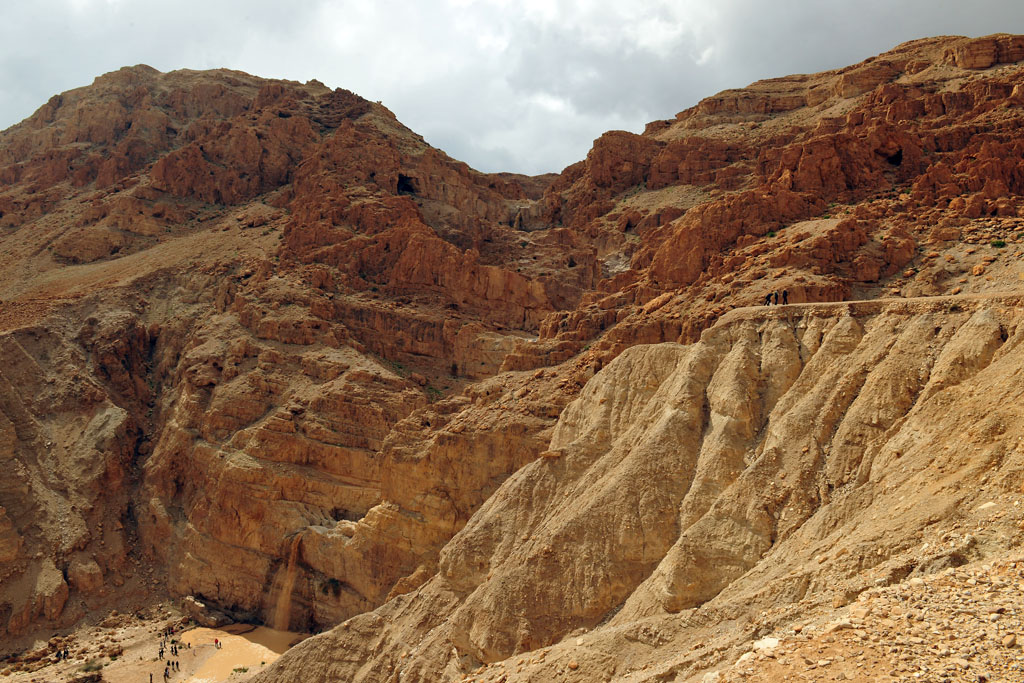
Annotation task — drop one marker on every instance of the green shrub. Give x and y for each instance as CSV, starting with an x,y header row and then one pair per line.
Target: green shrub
x,y
998,244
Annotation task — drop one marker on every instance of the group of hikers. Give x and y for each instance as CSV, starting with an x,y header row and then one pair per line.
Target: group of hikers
x,y
173,648
772,298
170,665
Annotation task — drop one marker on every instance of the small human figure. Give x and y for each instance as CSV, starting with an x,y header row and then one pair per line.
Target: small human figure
x,y
65,652
216,644
768,299
785,297
776,295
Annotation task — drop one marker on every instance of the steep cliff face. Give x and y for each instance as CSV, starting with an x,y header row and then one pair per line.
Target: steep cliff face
x,y
268,347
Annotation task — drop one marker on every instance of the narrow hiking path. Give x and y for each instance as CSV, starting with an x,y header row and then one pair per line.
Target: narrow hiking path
x,y
921,304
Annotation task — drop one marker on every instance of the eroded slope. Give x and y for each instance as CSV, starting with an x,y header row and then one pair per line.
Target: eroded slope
x,y
798,457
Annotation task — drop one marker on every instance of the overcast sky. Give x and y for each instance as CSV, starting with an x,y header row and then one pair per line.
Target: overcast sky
x,y
505,86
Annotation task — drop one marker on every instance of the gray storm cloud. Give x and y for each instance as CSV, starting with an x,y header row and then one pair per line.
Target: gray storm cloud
x,y
505,86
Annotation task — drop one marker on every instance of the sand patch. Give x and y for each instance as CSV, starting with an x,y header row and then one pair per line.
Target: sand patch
x,y
243,650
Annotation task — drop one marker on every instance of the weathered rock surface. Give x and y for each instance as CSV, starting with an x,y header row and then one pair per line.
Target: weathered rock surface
x,y
210,344
959,622
264,346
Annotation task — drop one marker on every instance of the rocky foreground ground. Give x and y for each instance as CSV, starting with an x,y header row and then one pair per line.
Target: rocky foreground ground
x,y
957,624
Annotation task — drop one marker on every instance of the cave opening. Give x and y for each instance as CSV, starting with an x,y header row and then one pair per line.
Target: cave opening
x,y
339,514
896,158
406,185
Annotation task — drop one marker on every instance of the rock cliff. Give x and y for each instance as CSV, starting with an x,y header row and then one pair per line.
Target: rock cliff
x,y
213,346
267,347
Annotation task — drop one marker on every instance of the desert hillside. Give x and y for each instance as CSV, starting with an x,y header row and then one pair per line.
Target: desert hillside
x,y
266,347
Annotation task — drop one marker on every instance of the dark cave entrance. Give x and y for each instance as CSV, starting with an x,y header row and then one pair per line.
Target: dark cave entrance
x,y
406,185
339,514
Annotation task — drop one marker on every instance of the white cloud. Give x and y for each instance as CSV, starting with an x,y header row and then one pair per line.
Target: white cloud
x,y
550,103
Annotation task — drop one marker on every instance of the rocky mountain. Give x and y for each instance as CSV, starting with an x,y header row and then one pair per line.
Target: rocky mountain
x,y
267,347
211,343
